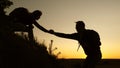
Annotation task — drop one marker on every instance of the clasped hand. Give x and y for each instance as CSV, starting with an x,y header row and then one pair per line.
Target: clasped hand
x,y
51,31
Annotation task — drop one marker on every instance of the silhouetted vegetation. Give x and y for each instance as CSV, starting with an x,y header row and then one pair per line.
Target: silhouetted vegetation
x,y
16,52
4,4
15,49
51,50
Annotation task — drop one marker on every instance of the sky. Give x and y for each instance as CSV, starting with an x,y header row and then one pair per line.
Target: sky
x,y
61,15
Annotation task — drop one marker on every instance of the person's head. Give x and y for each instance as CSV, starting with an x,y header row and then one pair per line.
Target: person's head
x,y
36,14
80,26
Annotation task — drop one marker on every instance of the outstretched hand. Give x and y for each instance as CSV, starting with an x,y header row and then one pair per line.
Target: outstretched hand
x,y
51,31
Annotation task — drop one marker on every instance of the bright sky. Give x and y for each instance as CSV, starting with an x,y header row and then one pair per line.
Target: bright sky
x,y
60,15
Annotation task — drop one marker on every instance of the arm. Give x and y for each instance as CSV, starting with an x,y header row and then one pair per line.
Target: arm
x,y
63,35
40,27
69,36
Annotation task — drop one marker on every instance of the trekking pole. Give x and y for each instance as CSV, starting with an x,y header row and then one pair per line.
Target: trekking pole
x,y
78,47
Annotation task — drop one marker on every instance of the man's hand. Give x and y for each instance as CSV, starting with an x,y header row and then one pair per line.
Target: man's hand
x,y
51,31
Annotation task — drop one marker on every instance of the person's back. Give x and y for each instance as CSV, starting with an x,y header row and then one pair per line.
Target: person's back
x,y
90,42
21,15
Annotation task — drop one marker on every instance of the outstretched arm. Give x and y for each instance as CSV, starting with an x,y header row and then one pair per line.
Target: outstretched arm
x,y
63,35
40,27
69,36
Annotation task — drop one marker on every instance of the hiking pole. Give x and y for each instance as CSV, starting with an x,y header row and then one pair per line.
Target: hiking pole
x,y
78,47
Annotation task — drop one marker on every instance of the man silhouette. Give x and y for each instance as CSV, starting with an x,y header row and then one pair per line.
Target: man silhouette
x,y
22,16
89,40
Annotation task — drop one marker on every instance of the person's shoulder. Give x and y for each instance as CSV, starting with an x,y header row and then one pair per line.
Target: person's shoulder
x,y
90,31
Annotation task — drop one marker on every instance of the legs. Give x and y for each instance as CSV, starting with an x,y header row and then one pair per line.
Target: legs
x,y
91,61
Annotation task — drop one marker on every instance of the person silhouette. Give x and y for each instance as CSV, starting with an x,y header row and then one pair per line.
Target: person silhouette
x,y
89,40
23,16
